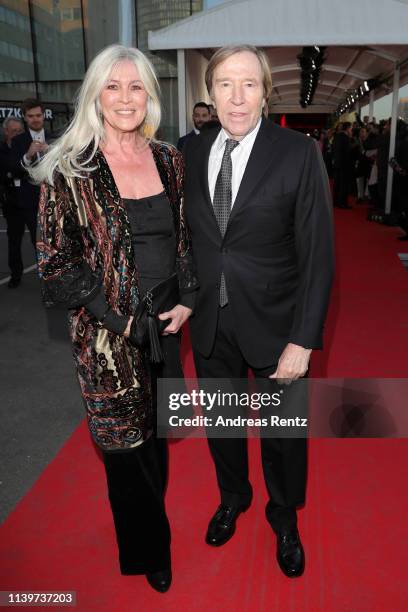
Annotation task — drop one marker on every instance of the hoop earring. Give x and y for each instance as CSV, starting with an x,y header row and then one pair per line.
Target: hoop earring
x,y
148,130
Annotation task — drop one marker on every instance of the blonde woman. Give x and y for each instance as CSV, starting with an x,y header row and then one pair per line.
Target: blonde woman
x,y
111,225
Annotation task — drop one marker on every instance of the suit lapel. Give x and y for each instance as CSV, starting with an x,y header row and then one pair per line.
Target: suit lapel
x,y
202,164
202,159
262,156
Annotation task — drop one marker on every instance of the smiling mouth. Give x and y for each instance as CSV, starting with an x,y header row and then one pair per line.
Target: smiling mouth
x,y
125,112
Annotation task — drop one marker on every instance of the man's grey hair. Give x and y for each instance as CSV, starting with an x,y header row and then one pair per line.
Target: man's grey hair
x,y
10,119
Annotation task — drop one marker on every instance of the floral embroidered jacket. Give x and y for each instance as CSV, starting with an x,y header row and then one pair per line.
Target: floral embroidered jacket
x,y
86,247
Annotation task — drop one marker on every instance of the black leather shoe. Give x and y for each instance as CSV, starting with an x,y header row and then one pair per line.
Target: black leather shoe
x,y
222,525
13,283
160,581
290,553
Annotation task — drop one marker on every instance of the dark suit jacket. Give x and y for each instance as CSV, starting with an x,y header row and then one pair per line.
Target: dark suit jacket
x,y
185,139
342,158
277,252
7,189
27,194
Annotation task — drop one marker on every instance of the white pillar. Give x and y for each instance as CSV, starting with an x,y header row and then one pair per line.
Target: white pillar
x,y
181,79
127,23
393,133
371,106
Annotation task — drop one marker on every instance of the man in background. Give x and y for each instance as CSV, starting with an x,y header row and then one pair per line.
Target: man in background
x,y
201,114
343,166
27,148
14,219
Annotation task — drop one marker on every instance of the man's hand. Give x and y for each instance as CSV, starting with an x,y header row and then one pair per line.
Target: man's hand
x,y
178,315
36,147
292,364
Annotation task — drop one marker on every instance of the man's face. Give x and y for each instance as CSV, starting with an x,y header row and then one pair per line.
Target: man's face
x,y
12,129
363,134
349,131
124,98
34,119
200,116
237,93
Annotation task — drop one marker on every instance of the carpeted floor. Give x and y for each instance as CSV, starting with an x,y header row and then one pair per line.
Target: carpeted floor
x,y
60,537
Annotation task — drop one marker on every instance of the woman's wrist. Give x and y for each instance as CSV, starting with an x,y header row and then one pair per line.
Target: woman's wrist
x,y
126,333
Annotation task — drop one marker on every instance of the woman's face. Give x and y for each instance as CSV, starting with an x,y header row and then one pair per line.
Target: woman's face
x,y
124,98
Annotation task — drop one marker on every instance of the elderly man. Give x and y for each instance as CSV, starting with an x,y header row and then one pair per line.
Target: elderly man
x,y
258,207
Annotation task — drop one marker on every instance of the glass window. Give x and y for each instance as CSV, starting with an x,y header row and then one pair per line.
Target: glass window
x,y
152,16
169,124
66,13
60,32
17,91
15,47
56,91
101,25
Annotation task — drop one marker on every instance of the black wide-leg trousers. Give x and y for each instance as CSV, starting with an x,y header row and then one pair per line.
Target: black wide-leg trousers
x,y
137,481
284,460
136,485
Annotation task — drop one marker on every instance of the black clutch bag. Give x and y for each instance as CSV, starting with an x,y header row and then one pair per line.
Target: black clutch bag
x,y
146,326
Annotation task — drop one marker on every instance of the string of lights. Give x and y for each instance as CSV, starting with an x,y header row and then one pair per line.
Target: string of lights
x,y
354,95
310,61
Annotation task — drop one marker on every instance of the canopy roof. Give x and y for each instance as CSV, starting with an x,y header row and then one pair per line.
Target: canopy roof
x,y
364,40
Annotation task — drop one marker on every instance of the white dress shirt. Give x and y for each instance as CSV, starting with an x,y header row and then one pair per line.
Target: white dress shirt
x,y
239,158
37,137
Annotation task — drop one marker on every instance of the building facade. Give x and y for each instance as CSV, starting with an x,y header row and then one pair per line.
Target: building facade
x,y
47,45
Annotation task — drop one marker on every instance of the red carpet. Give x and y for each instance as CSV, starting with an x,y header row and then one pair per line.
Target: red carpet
x,y
60,537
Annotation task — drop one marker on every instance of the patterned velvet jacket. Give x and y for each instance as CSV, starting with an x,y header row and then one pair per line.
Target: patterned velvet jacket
x,y
83,248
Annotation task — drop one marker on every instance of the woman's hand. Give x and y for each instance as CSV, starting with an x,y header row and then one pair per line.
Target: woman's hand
x,y
126,333
178,315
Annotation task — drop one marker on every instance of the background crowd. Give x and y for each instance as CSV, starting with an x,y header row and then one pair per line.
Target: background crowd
x,y
357,159
356,156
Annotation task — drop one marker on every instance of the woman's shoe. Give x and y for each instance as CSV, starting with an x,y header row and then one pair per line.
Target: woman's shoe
x,y
160,581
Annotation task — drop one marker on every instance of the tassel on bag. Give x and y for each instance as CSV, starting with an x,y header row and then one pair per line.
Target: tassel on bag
x,y
156,353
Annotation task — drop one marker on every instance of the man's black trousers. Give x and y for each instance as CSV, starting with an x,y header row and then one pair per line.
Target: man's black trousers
x,y
284,460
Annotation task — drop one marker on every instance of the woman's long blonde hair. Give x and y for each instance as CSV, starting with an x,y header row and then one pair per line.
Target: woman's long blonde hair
x,y
66,154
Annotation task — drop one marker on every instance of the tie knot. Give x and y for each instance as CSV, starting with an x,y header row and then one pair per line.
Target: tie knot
x,y
230,145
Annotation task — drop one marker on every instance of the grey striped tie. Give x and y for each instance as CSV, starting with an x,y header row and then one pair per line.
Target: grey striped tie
x,y
222,202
